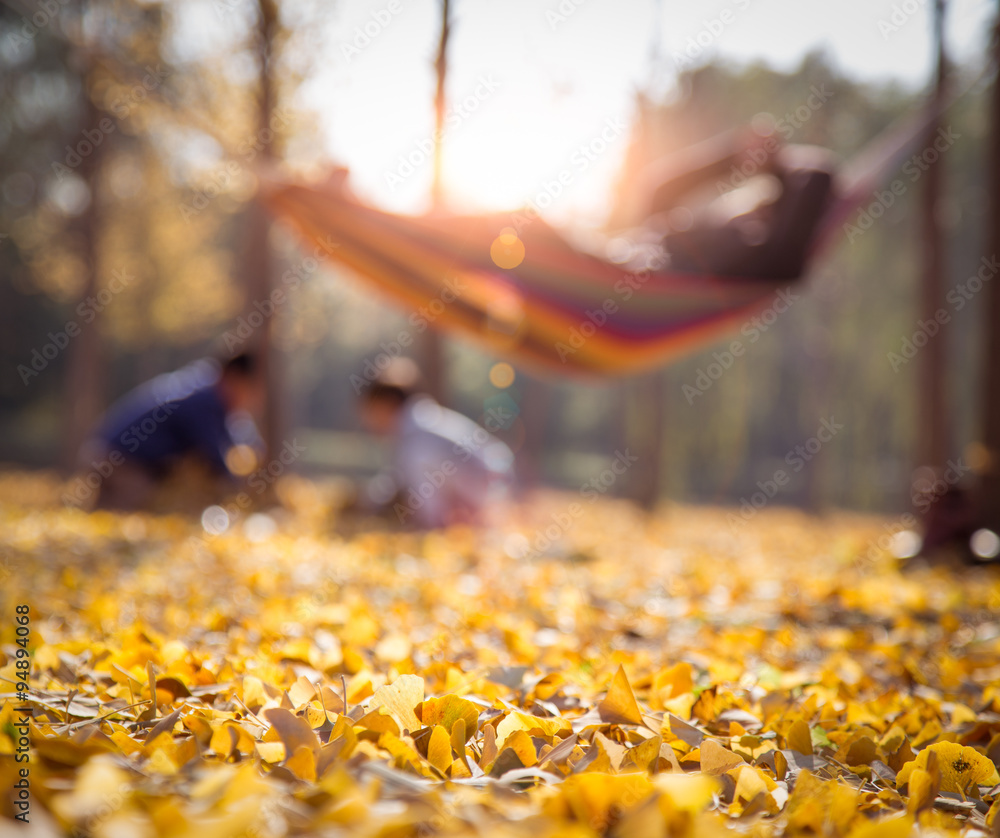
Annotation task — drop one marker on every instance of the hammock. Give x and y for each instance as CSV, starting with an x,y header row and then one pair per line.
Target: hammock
x,y
561,307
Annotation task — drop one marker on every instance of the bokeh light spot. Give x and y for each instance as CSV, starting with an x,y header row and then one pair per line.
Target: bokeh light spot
x,y
507,250
241,460
215,520
985,544
502,375
906,544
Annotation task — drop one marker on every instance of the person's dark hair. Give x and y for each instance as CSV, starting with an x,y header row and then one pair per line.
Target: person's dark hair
x,y
396,383
244,365
387,393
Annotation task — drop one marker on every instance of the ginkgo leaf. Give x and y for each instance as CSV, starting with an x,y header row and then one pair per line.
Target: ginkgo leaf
x,y
717,760
273,752
507,760
165,725
302,763
752,783
489,747
173,688
379,721
520,743
923,787
400,699
646,755
516,720
960,767
860,752
294,731
674,681
447,711
439,748
619,705
799,738
302,690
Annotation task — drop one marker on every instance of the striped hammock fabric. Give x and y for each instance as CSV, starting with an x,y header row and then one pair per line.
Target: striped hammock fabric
x,y
559,307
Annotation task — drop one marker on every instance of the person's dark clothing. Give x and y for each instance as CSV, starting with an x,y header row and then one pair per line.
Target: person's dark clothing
x,y
174,415
780,253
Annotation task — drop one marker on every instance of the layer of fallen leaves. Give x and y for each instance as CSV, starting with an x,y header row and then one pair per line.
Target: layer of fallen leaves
x,y
635,675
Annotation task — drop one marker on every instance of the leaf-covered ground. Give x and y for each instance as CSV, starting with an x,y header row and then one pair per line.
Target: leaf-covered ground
x,y
634,675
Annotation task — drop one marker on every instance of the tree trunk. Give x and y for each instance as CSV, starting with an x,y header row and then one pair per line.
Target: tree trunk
x,y
432,349
85,391
934,395
648,409
257,257
990,490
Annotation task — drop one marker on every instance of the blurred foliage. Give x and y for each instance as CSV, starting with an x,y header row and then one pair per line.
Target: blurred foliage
x,y
171,199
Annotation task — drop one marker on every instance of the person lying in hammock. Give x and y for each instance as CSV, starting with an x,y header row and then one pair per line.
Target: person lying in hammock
x,y
761,227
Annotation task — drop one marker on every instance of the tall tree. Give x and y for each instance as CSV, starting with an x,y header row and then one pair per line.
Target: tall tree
x,y
990,491
433,349
85,391
257,262
934,440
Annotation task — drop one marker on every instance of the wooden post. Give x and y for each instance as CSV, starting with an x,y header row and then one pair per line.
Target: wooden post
x,y
934,397
85,363
85,368
990,487
257,257
432,350
647,407
441,70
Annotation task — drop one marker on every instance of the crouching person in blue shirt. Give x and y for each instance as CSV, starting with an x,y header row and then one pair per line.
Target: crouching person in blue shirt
x,y
191,428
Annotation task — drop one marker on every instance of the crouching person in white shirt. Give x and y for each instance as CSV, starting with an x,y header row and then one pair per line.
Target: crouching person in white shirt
x,y
445,469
